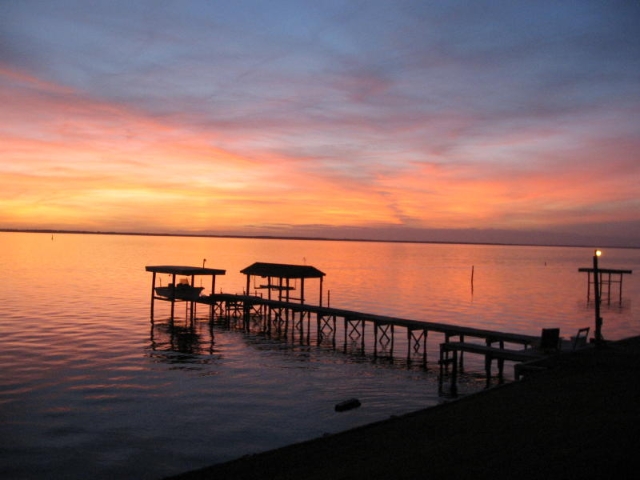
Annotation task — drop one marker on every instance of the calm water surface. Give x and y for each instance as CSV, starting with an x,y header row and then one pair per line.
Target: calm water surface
x,y
89,386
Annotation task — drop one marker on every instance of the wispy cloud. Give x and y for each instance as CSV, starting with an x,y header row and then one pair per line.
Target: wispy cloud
x,y
243,116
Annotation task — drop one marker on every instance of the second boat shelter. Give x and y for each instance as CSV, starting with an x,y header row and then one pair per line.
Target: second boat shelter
x,y
282,279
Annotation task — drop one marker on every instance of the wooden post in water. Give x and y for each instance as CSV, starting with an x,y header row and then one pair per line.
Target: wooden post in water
x,y
153,292
173,295
472,271
596,288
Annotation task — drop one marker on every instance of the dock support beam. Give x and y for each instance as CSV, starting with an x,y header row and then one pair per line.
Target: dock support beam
x,y
383,334
153,293
354,328
415,342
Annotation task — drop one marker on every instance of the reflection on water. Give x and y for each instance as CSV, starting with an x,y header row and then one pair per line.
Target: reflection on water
x,y
88,385
185,340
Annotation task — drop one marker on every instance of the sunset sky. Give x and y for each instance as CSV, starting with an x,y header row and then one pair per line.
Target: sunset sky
x,y
507,121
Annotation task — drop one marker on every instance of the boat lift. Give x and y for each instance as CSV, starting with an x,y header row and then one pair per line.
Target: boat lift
x,y
186,271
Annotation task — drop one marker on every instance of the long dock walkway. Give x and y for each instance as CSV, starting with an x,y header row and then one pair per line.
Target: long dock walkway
x,y
233,305
376,333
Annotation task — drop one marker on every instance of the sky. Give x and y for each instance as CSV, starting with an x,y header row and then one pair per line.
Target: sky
x,y
485,121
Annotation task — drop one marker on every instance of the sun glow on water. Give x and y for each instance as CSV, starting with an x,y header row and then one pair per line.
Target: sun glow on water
x,y
85,373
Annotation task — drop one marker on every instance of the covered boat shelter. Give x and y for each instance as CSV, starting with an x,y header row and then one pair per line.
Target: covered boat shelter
x,y
185,271
283,279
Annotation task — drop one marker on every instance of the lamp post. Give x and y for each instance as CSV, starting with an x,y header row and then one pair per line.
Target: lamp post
x,y
596,287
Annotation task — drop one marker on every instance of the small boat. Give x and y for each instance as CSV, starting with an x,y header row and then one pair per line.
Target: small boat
x,y
182,291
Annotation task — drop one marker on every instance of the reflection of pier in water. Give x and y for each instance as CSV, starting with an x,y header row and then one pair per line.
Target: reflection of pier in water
x,y
285,317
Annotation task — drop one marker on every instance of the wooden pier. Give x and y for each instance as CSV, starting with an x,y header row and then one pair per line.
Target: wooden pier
x,y
606,277
361,333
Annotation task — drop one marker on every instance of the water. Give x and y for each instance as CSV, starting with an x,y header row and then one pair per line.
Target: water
x,y
88,386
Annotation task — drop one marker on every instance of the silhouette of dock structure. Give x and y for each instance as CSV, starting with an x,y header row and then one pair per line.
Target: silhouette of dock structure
x,y
606,277
284,313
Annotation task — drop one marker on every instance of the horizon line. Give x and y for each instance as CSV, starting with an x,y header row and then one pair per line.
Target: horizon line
x,y
293,237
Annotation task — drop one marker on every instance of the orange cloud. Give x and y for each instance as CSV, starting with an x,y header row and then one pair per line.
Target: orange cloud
x,y
72,161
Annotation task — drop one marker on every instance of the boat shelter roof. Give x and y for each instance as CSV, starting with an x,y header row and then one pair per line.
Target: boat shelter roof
x,y
184,270
280,270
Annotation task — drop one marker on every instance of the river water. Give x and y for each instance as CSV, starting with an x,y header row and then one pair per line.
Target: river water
x,y
89,386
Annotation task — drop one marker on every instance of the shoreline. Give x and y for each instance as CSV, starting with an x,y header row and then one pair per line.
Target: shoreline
x,y
579,419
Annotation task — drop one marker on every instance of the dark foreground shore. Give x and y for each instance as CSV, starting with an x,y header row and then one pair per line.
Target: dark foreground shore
x,y
578,419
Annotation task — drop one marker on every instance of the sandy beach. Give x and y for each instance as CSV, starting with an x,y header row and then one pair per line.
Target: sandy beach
x,y
578,419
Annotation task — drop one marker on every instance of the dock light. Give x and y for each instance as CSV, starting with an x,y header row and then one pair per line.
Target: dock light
x,y
596,288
